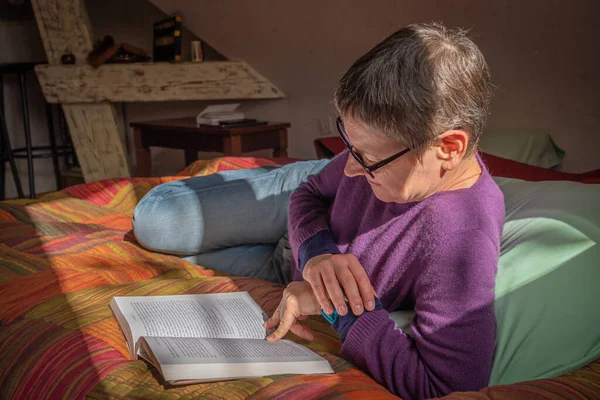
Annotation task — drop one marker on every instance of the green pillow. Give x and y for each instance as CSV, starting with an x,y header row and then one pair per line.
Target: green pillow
x,y
534,148
548,283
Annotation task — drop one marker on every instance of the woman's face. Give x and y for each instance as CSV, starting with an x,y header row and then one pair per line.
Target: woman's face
x,y
402,180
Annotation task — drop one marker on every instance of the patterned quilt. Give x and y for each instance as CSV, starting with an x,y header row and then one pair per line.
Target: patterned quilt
x,y
65,255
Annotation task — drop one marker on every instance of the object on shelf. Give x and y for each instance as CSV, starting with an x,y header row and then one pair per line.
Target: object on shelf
x,y
109,52
167,40
216,114
196,54
238,123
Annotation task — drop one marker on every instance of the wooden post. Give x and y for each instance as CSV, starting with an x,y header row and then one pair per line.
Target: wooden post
x,y
281,150
142,155
100,154
232,146
65,28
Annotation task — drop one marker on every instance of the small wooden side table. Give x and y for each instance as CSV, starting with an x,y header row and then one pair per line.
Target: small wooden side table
x,y
183,133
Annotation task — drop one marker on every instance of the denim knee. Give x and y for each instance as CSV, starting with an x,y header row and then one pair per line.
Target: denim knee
x,y
157,221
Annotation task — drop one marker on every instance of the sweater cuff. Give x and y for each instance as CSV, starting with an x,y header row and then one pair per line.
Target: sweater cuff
x,y
320,243
361,335
343,323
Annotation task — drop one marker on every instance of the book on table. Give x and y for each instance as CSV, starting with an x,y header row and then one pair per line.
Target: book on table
x,y
194,338
216,114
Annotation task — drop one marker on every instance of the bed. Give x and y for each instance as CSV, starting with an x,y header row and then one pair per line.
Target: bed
x,y
65,255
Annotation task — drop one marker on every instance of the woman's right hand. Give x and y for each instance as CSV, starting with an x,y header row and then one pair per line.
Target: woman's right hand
x,y
333,275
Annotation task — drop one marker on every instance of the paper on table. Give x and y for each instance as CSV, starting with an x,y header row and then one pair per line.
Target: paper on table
x,y
218,109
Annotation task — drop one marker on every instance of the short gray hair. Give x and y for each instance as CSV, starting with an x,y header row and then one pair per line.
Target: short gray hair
x,y
421,81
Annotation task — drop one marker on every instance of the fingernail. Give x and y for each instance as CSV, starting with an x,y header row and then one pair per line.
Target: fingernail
x,y
371,305
328,310
342,310
270,338
358,309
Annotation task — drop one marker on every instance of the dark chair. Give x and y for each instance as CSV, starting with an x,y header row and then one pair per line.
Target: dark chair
x,y
30,152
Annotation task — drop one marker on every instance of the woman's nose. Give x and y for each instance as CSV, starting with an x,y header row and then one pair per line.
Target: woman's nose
x,y
353,168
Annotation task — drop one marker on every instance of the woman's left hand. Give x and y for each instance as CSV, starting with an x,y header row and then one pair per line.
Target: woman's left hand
x,y
297,303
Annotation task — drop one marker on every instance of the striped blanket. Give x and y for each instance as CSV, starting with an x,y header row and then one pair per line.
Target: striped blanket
x,y
65,255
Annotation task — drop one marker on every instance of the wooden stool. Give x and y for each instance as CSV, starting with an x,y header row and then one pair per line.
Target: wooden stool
x,y
183,133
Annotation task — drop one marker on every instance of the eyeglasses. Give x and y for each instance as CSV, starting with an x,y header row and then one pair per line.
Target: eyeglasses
x,y
369,169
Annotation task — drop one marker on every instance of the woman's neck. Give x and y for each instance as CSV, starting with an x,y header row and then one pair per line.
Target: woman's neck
x,y
463,176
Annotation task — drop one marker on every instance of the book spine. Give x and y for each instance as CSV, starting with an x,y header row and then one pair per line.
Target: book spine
x,y
177,41
167,40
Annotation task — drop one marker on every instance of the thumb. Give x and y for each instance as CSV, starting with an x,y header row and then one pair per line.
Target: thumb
x,y
273,321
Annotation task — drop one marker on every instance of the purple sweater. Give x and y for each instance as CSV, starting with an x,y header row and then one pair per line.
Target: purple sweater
x,y
437,257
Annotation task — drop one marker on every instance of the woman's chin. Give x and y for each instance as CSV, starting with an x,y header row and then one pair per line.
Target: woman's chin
x,y
384,195
387,197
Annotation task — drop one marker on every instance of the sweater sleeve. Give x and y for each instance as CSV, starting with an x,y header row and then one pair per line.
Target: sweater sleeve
x,y
454,328
321,243
310,202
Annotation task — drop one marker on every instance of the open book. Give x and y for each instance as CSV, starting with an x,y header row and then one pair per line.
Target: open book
x,y
208,337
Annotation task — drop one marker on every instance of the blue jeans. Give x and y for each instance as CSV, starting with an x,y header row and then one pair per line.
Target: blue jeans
x,y
233,221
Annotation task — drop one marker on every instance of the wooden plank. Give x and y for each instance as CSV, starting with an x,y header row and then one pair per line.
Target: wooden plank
x,y
142,155
232,146
95,130
97,140
154,82
64,28
281,150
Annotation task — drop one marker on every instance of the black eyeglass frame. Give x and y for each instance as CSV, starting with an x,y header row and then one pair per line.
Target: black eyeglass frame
x,y
369,169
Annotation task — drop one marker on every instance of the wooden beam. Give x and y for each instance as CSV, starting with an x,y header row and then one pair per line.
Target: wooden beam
x,y
154,82
98,143
65,28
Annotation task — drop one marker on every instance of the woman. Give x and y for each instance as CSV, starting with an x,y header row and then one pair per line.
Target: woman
x,y
407,218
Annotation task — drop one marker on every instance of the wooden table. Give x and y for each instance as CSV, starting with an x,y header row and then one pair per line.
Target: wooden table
x,y
182,133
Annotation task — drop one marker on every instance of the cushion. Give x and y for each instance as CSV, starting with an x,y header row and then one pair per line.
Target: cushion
x,y
533,148
499,166
328,147
547,302
591,176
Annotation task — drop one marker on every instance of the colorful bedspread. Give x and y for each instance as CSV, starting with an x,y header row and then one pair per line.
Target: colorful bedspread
x,y
66,254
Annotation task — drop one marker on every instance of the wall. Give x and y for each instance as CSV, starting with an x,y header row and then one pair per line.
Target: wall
x,y
543,56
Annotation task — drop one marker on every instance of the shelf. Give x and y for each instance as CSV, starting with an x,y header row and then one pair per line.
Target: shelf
x,y
139,82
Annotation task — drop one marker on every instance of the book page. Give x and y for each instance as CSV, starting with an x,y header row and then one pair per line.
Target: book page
x,y
191,360
173,350
219,315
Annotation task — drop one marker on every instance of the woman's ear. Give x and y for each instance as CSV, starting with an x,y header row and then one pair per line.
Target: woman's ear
x,y
451,148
